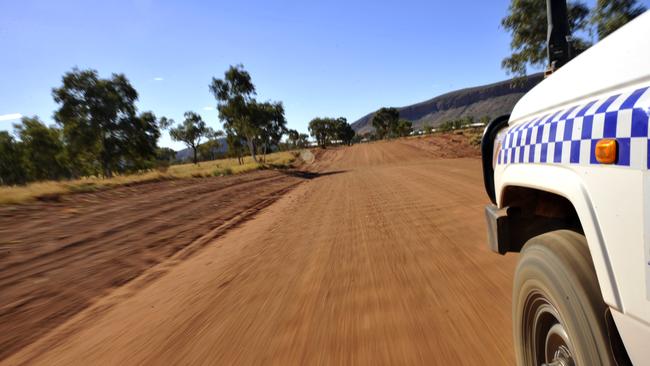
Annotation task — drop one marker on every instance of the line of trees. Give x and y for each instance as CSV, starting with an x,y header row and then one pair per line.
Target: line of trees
x,y
526,21
459,123
250,126
296,140
100,132
327,131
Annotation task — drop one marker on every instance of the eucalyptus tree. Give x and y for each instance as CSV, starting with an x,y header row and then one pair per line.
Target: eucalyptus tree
x,y
43,150
191,132
272,124
12,170
321,130
609,15
526,22
100,122
404,128
236,145
235,95
385,122
209,150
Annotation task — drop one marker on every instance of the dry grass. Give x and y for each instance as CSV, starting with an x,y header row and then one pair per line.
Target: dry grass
x,y
222,167
474,135
229,166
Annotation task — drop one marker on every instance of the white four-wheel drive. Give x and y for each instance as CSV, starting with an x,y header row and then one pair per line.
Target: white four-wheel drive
x,y
568,173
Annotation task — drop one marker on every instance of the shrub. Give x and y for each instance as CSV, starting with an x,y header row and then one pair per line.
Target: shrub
x,y
220,172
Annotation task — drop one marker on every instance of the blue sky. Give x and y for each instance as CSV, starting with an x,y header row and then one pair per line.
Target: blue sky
x,y
325,58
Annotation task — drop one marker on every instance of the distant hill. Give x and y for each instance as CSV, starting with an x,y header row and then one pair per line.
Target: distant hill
x,y
490,100
186,154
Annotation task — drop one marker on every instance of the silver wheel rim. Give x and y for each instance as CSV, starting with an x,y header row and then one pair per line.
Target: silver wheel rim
x,y
545,337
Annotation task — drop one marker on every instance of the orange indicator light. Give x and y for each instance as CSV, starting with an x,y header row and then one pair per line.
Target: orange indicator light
x,y
606,151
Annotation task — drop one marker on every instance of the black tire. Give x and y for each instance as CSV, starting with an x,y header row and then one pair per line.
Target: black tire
x,y
558,311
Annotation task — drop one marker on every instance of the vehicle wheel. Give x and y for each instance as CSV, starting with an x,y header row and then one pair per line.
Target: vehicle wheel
x,y
558,311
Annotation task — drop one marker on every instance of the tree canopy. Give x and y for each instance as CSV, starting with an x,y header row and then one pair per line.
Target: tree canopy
x,y
329,130
385,122
210,149
344,131
526,22
297,140
609,15
319,128
269,117
12,169
100,123
236,104
43,150
404,128
261,125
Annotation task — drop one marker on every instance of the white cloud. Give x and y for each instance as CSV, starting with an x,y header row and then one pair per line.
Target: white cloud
x,y
10,117
208,108
158,78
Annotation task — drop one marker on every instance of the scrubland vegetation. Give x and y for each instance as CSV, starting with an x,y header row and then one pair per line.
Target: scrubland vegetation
x,y
50,190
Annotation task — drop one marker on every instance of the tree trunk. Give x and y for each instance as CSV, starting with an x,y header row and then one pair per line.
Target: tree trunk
x,y
264,153
251,147
106,167
195,156
106,159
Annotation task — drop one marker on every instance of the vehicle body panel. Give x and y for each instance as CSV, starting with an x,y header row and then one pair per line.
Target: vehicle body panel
x,y
635,335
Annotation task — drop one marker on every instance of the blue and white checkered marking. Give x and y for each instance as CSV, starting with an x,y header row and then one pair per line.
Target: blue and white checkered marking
x,y
570,136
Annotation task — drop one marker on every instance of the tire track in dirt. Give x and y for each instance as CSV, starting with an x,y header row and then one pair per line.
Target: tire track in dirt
x,y
69,261
81,210
111,231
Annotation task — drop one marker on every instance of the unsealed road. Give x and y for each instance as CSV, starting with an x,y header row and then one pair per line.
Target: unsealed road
x,y
380,259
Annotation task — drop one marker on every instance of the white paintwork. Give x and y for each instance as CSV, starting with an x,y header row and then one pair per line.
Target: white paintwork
x,y
635,335
612,202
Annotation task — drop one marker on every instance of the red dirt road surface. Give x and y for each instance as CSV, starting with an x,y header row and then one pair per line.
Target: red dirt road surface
x,y
378,257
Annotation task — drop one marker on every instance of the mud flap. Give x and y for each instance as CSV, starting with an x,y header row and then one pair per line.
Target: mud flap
x,y
497,225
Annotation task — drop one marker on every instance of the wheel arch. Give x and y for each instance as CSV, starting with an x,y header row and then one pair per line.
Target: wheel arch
x,y
561,185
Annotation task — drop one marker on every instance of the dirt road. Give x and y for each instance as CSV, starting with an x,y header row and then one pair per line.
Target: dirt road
x,y
380,259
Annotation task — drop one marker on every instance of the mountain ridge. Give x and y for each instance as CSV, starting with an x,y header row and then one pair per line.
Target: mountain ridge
x,y
187,153
490,100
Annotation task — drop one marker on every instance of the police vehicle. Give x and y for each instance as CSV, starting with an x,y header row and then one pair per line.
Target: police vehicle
x,y
568,173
